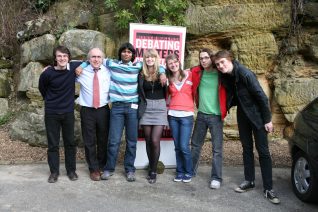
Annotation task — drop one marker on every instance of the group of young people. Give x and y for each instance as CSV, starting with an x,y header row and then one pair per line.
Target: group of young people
x,y
117,94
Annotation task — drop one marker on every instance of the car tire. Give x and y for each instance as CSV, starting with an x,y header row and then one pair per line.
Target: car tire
x,y
304,178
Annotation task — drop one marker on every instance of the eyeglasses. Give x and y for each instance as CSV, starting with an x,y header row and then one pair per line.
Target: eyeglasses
x,y
204,58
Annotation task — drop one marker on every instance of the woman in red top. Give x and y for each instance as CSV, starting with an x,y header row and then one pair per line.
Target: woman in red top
x,y
180,116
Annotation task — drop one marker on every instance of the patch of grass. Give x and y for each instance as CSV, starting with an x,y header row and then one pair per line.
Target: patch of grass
x,y
6,118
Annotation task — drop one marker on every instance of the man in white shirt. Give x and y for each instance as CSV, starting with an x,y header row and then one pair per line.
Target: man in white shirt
x,y
94,98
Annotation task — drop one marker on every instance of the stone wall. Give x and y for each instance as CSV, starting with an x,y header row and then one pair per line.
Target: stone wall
x,y
256,31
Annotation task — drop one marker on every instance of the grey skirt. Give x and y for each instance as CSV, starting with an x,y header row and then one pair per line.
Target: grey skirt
x,y
155,113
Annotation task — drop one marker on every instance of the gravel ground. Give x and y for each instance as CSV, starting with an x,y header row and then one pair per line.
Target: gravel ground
x,y
17,152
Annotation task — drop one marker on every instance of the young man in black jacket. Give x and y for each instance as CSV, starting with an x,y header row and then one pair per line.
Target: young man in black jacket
x,y
253,118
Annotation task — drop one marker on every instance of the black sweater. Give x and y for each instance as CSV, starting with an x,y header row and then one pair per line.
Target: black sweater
x,y
57,88
244,90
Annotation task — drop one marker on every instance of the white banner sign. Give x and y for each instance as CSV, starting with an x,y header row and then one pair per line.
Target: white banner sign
x,y
165,39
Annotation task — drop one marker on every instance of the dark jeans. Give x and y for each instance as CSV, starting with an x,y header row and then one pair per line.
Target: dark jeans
x,y
181,129
247,130
53,124
122,115
95,127
215,124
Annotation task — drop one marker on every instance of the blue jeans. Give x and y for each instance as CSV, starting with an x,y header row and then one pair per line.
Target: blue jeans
x,y
215,124
181,128
122,115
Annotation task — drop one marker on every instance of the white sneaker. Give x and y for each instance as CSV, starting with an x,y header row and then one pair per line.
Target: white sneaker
x,y
215,184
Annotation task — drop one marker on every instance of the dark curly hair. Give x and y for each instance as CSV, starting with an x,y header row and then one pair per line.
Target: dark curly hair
x,y
127,46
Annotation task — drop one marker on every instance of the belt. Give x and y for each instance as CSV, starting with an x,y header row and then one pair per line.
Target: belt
x,y
123,103
105,106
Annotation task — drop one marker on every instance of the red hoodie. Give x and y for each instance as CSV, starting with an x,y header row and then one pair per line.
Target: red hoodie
x,y
196,78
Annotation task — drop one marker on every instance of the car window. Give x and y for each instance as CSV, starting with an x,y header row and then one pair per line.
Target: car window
x,y
310,115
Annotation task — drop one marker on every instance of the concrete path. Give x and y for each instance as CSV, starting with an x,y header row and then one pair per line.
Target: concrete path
x,y
25,188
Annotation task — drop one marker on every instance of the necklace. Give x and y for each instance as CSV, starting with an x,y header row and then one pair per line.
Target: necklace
x,y
152,86
151,80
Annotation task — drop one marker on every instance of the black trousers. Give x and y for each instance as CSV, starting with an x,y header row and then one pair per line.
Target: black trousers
x,y
95,127
247,131
53,124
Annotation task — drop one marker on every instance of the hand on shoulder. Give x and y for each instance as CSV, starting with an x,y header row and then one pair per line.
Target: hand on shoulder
x,y
46,68
78,71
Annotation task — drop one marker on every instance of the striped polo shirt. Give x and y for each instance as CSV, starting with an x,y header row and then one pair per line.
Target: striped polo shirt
x,y
124,80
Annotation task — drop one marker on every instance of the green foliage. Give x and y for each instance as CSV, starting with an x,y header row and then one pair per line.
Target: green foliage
x,y
111,4
123,18
4,119
167,12
43,5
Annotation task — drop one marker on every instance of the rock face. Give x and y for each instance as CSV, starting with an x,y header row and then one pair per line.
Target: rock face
x,y
29,127
235,16
34,28
256,31
4,83
4,107
29,77
296,74
71,14
81,41
292,95
38,49
256,50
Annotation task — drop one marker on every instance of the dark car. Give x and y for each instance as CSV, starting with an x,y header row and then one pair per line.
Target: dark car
x,y
304,151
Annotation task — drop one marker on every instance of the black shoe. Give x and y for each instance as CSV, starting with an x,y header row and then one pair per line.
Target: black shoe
x,y
271,196
152,177
53,178
72,176
245,186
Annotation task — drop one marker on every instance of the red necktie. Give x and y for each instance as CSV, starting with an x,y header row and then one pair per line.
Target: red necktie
x,y
96,98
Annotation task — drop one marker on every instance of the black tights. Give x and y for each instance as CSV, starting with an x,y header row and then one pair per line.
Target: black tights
x,y
152,136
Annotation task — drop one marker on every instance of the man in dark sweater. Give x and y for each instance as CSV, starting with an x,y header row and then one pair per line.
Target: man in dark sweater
x,y
57,87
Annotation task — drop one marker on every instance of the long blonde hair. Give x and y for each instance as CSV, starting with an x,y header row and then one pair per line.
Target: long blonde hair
x,y
145,70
